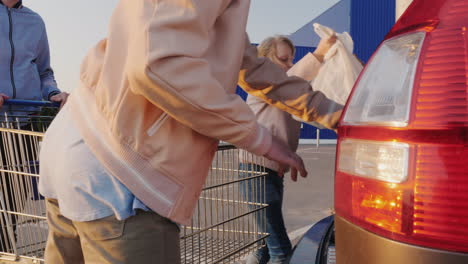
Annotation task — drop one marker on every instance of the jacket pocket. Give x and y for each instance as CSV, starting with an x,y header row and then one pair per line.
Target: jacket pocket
x,y
157,125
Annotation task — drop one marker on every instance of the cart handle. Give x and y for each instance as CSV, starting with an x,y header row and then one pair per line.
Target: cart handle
x,y
31,103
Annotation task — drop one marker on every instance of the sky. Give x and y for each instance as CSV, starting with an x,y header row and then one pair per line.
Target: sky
x,y
75,26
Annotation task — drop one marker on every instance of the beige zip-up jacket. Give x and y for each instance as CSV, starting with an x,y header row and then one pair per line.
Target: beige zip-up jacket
x,y
158,93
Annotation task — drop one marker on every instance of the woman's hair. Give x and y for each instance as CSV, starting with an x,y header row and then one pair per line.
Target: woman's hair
x,y
268,46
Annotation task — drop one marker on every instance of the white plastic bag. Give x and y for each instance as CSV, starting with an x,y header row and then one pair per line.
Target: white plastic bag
x,y
340,69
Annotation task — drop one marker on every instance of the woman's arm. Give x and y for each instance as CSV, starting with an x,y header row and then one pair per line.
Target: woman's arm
x,y
262,78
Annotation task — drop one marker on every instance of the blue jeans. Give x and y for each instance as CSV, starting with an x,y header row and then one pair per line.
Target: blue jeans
x,y
278,246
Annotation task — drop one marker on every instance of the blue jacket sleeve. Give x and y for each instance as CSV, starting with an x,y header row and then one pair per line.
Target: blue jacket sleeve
x,y
48,83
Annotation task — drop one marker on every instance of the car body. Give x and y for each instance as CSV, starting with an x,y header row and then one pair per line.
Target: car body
x,y
401,176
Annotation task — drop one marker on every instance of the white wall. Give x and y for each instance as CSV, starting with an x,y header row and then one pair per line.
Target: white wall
x,y
401,6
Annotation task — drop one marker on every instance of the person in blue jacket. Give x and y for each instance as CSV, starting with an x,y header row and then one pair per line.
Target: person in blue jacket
x,y
25,71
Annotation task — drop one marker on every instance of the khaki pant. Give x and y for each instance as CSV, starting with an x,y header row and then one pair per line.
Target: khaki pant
x,y
144,238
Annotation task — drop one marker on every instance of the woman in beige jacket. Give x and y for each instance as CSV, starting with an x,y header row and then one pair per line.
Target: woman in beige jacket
x,y
155,97
280,50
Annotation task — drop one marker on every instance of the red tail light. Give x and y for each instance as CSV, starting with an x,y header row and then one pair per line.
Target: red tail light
x,y
402,167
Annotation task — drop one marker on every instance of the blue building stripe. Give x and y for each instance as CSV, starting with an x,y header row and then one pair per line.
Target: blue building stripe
x,y
370,22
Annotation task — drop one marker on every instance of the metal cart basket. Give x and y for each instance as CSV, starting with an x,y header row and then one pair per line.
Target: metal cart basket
x,y
226,225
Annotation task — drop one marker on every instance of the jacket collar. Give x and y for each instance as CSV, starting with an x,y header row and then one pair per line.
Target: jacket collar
x,y
17,6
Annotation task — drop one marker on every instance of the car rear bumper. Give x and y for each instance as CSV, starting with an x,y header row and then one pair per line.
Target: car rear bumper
x,y
355,245
317,245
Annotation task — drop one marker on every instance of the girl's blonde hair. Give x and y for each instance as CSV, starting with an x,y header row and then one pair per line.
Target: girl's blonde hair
x,y
268,46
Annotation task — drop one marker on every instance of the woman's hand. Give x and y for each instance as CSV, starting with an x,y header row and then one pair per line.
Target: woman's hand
x,y
323,47
282,154
60,98
3,97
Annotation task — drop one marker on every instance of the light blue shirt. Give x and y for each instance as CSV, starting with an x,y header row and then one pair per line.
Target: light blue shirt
x,y
70,173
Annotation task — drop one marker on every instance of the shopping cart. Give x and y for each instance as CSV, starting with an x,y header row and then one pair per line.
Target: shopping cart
x,y
226,225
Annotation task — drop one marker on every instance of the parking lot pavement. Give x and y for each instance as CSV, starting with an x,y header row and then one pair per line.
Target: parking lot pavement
x,y
311,199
